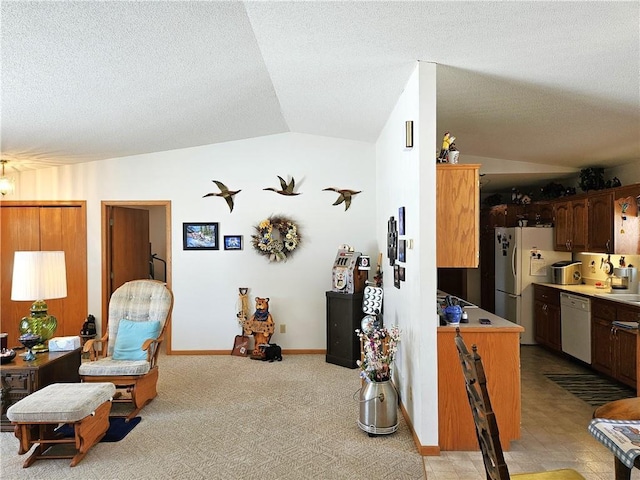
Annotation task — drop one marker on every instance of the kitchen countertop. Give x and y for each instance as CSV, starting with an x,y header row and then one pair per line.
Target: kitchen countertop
x,y
590,291
498,324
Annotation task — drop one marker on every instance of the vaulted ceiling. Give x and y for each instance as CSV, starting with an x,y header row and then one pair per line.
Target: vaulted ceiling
x,y
545,83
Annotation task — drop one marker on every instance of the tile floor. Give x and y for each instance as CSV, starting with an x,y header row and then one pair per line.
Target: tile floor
x,y
554,430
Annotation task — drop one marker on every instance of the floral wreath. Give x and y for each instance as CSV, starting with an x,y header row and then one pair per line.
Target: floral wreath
x,y
276,237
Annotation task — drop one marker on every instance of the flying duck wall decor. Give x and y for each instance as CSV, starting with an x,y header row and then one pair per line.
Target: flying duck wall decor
x,y
224,193
345,196
286,189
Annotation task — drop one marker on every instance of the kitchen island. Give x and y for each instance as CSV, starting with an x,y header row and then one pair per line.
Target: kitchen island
x,y
499,346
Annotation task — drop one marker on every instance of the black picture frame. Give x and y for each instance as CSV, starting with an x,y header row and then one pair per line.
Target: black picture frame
x,y
401,221
200,236
401,273
392,240
402,251
396,275
232,242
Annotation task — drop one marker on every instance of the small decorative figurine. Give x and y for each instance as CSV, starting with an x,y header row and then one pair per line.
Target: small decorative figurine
x,y
286,189
261,326
447,140
345,196
224,193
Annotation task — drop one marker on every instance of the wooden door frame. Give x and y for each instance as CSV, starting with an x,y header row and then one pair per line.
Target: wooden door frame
x,y
106,256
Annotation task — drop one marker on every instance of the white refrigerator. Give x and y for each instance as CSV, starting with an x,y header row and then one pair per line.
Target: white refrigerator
x,y
523,255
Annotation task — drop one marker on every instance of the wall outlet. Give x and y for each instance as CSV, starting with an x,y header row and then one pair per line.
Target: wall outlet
x,y
283,328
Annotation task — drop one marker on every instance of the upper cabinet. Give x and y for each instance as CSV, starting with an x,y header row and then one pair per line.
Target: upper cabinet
x,y
601,222
571,221
458,215
626,219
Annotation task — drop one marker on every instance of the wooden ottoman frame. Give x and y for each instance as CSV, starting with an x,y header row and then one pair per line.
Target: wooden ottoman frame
x,y
38,428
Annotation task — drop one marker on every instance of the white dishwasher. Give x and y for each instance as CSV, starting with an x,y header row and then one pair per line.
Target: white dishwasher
x,y
575,315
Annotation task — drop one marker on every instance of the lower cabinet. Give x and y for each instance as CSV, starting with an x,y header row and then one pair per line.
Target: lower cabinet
x,y
613,349
546,309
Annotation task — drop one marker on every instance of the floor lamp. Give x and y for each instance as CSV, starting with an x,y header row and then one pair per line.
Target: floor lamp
x,y
39,276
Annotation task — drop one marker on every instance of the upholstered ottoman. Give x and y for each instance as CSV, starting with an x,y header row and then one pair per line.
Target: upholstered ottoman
x,y
85,406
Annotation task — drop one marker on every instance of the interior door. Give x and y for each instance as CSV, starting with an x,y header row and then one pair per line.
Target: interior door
x,y
129,247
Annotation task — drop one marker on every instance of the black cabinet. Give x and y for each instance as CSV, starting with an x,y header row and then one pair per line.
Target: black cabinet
x,y
344,315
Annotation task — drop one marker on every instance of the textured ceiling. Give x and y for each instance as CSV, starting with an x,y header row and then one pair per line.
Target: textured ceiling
x,y
547,83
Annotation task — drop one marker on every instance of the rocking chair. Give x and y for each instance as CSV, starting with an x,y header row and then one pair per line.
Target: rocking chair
x,y
139,312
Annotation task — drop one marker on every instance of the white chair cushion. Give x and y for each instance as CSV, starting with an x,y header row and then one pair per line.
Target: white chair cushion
x,y
61,403
109,367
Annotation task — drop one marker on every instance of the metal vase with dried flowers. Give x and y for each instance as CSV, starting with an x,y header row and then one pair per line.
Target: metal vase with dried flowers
x,y
379,348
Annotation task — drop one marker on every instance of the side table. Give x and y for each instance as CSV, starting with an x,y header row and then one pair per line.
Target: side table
x,y
20,378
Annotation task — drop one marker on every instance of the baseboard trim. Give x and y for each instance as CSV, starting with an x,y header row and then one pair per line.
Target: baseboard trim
x,y
423,450
228,352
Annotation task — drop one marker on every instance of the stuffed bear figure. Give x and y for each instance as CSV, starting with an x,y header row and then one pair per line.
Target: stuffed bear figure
x,y
272,352
261,326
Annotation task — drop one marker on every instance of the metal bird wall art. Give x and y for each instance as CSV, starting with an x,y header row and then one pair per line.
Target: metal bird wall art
x,y
345,196
224,193
286,189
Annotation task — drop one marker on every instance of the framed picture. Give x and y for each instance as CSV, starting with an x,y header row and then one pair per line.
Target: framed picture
x,y
233,242
401,221
396,275
392,240
401,273
402,250
200,236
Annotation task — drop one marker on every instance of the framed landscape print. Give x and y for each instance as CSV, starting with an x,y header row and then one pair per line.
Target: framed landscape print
x,y
200,236
233,242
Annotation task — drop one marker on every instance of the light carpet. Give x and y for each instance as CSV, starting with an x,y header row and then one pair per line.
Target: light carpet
x,y
228,417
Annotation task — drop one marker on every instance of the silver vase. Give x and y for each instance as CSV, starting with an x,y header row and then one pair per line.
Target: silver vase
x,y
378,408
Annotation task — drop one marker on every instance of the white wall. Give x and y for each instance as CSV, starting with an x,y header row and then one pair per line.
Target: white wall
x,y
628,173
205,283
406,177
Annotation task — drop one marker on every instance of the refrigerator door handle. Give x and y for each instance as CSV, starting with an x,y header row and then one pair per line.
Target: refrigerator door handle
x,y
511,295
513,261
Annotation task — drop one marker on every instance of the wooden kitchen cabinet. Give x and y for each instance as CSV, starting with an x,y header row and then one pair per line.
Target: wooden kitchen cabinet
x,y
613,349
571,222
603,313
505,215
546,310
458,215
500,351
600,221
540,213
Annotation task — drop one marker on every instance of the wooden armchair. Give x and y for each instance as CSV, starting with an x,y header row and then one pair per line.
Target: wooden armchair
x,y
127,356
486,424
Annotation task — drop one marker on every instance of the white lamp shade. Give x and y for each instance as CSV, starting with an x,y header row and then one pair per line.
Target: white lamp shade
x,y
38,276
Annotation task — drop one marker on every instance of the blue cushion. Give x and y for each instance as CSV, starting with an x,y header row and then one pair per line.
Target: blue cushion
x,y
131,336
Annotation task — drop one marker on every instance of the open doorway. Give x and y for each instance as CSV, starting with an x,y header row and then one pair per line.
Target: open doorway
x,y
136,243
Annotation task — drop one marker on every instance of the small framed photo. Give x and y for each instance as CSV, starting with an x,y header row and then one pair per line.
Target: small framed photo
x,y
401,273
401,221
233,242
200,236
396,275
402,250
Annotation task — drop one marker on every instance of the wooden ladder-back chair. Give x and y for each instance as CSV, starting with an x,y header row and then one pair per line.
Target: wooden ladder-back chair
x,y
486,424
127,356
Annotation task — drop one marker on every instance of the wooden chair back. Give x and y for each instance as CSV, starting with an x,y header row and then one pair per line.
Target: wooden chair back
x,y
483,416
